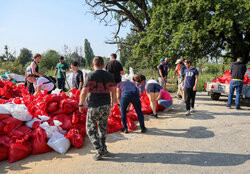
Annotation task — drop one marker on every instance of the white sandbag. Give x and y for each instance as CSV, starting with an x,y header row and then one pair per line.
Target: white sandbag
x,y
5,108
30,123
56,91
17,77
43,117
59,143
49,129
20,112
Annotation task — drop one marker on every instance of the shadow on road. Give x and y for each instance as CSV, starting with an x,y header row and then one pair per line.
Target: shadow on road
x,y
192,132
183,157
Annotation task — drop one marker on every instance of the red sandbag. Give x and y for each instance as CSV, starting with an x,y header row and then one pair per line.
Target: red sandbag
x,y
4,152
57,112
20,132
51,107
5,140
39,141
133,116
2,128
4,116
11,124
75,138
19,151
81,128
114,126
131,124
66,121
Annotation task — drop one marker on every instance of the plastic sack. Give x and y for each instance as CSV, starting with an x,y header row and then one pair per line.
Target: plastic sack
x,y
51,107
5,140
34,121
132,115
49,129
11,124
4,153
20,112
19,151
114,126
59,143
65,120
21,133
75,138
131,124
39,141
5,108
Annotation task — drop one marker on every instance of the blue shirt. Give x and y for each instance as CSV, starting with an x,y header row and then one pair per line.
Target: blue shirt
x,y
190,77
126,86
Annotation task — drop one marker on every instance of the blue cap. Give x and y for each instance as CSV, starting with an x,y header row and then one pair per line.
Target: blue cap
x,y
162,60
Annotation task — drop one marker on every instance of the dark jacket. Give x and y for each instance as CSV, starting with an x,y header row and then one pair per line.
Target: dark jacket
x,y
238,70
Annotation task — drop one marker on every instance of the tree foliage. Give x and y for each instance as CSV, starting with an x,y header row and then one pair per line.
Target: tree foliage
x,y
49,60
88,51
25,56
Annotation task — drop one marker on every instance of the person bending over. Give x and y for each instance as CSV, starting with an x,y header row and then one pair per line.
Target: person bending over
x,y
41,83
153,89
128,93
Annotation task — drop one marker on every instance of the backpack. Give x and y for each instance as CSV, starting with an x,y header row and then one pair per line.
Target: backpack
x,y
51,79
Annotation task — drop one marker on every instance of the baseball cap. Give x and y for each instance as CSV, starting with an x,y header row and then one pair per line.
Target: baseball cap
x,y
61,57
162,60
178,61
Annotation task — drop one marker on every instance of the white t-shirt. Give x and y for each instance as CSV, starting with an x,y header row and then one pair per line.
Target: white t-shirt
x,y
151,81
28,70
41,81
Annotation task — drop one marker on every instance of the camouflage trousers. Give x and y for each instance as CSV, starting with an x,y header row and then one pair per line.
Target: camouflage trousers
x,y
96,125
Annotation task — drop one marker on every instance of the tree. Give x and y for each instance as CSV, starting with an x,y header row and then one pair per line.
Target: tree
x,y
89,54
134,11
8,56
49,60
25,56
197,29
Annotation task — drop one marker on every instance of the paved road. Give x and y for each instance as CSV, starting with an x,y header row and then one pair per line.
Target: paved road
x,y
211,140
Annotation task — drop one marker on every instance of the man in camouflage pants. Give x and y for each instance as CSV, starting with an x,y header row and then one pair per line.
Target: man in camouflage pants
x,y
98,85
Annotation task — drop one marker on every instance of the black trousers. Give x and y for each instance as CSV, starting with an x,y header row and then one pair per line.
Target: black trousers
x,y
31,88
189,97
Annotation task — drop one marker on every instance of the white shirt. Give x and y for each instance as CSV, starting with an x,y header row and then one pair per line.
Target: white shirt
x,y
47,86
28,70
151,81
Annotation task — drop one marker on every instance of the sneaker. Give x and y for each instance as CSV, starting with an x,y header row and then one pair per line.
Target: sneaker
x,y
143,130
105,152
156,116
125,130
152,114
238,108
187,113
98,156
229,106
192,109
182,101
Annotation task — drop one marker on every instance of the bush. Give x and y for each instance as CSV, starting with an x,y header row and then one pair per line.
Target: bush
x,y
13,67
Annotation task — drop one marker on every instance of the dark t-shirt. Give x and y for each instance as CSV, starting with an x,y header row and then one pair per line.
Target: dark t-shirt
x,y
166,67
127,86
99,83
190,77
114,67
161,68
77,78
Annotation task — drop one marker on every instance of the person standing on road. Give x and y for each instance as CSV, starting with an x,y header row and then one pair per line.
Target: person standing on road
x,y
61,69
128,93
162,73
190,86
238,70
33,69
77,79
99,84
115,67
179,82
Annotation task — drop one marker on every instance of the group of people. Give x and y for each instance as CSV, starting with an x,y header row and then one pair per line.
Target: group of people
x,y
37,81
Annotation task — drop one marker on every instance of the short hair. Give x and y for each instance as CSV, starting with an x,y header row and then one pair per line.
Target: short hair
x,y
98,61
31,75
137,77
37,55
187,61
113,55
240,59
75,63
61,57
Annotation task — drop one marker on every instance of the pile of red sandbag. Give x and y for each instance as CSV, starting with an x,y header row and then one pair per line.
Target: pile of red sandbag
x,y
9,90
226,78
56,120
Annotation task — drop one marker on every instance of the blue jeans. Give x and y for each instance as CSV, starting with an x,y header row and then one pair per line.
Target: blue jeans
x,y
131,97
165,103
61,83
238,86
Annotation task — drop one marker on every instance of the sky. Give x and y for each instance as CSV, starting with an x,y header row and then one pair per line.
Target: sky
x,y
40,25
